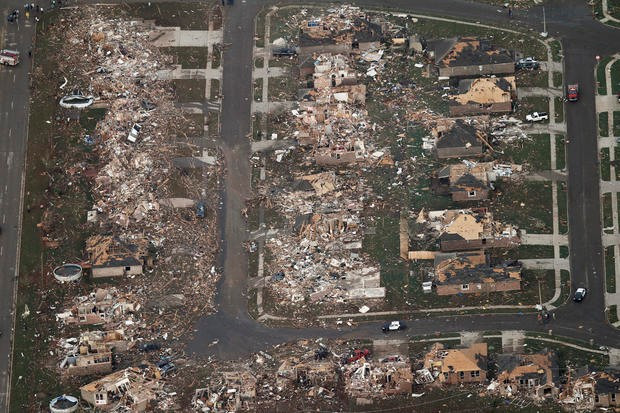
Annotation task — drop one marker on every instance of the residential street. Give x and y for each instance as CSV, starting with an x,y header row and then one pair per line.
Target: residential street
x,y
13,123
225,333
231,332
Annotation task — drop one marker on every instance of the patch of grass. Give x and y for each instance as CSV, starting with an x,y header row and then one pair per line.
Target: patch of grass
x,y
605,169
600,75
616,123
259,62
608,221
282,89
534,251
189,90
532,78
562,208
612,314
564,251
216,56
90,117
525,204
556,50
535,152
215,89
188,16
568,357
617,162
213,122
559,110
560,152
258,89
603,124
557,79
565,283
615,77
188,57
531,104
610,270
434,29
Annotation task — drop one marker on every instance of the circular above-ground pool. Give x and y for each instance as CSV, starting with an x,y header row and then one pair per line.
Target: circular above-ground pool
x,y
64,404
68,272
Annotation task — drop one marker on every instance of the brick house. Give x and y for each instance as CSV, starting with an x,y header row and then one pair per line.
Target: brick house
x,y
483,96
458,366
471,229
473,57
470,272
320,37
593,390
532,375
466,182
112,257
458,142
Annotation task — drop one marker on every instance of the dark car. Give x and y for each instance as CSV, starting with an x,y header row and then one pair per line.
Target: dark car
x,y
284,52
527,63
146,347
580,294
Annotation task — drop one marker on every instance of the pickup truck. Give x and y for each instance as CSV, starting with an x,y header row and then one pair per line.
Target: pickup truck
x,y
9,57
572,92
537,116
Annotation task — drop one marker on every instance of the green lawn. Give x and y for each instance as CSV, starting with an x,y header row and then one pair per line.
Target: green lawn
x,y
603,124
258,89
526,204
608,221
282,89
600,75
535,251
560,152
612,314
531,104
615,77
188,57
535,152
189,90
616,123
557,79
559,110
610,270
562,208
556,50
605,169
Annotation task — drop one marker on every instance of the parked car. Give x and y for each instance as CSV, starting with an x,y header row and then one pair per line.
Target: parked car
x,y
537,116
146,347
393,326
572,93
527,63
284,52
580,294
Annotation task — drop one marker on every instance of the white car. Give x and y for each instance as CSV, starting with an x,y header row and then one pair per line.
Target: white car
x,y
580,294
393,326
537,116
133,134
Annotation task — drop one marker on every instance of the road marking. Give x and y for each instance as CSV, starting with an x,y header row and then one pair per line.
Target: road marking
x,y
1,249
11,105
10,131
9,159
13,77
4,219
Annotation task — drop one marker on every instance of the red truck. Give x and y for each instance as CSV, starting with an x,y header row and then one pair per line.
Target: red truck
x,y
572,92
9,57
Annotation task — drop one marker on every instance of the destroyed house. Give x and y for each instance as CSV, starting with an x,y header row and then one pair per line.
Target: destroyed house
x,y
471,229
471,272
532,375
132,388
87,363
467,181
458,366
472,57
100,307
594,390
112,257
461,140
316,36
483,96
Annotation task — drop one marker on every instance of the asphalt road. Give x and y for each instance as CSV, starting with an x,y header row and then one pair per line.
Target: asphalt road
x,y
13,130
231,333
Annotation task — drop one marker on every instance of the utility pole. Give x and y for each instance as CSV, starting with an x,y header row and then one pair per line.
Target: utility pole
x,y
544,32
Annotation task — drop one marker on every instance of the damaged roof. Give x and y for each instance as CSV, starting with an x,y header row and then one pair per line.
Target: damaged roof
x,y
472,267
542,365
472,51
459,135
485,90
110,251
454,360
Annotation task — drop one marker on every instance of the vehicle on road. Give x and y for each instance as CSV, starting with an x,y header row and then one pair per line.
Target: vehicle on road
x,y
580,294
537,116
284,52
393,326
9,57
527,63
572,93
